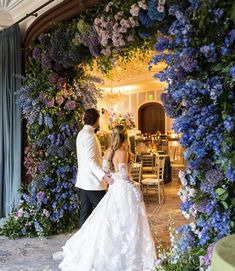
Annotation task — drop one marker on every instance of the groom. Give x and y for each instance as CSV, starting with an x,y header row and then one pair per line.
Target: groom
x,y
91,178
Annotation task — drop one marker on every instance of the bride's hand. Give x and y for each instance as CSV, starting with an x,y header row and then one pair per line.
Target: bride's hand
x,y
107,179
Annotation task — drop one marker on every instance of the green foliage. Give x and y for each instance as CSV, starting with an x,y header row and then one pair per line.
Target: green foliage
x,y
189,262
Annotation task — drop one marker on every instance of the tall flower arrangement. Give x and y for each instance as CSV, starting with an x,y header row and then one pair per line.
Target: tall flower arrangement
x,y
199,51
53,98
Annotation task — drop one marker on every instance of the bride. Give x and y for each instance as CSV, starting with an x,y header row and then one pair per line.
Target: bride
x,y
116,236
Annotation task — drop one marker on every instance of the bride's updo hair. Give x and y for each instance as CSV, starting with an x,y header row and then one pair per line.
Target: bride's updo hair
x,y
119,139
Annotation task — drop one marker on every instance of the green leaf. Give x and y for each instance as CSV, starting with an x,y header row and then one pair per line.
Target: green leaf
x,y
224,204
233,14
219,191
224,196
217,68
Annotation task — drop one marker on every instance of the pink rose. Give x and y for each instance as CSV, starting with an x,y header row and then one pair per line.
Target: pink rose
x,y
60,100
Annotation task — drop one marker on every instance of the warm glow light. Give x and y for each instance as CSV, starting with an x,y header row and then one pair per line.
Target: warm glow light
x,y
132,72
120,89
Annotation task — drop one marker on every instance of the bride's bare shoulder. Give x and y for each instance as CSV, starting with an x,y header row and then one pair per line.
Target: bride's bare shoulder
x,y
122,154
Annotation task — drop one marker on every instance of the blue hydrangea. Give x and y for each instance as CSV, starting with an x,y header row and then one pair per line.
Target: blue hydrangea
x,y
144,18
153,13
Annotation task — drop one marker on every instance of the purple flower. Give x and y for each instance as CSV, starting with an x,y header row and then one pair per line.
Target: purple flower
x,y
60,100
53,78
225,51
207,258
231,37
201,206
52,150
144,18
70,105
162,44
46,61
94,47
36,53
187,60
40,196
194,3
37,226
229,123
24,231
43,167
60,83
172,108
51,102
44,40
209,52
213,177
70,143
232,72
62,152
48,120
218,13
230,173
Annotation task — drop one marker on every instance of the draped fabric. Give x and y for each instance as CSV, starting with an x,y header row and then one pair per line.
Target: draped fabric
x,y
10,118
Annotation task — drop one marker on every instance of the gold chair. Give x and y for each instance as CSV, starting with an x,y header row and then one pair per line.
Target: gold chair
x,y
148,162
136,173
156,181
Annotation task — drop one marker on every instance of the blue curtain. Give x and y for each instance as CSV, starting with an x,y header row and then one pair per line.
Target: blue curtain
x,y
10,118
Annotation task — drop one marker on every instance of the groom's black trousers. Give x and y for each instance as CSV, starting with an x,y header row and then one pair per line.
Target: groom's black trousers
x,y
89,199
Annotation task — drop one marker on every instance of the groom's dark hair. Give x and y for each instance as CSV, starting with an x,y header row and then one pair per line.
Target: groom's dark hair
x,y
91,115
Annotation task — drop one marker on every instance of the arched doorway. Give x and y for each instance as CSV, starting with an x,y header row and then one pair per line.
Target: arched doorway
x,y
151,118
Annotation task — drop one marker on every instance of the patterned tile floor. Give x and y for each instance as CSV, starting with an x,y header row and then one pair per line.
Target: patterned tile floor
x,y
36,255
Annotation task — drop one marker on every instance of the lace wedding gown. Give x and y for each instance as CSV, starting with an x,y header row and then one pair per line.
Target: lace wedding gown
x,y
116,236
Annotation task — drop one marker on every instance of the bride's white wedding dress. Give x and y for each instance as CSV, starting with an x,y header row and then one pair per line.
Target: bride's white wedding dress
x,y
116,236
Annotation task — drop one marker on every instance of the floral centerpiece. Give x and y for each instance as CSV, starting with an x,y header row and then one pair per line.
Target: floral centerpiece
x,y
126,119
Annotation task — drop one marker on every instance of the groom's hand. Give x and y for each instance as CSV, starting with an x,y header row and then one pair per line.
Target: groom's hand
x,y
107,179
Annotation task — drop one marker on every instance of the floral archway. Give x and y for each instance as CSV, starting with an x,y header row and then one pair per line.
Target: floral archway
x,y
198,50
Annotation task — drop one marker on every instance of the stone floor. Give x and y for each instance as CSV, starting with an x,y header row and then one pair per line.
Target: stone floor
x,y
36,255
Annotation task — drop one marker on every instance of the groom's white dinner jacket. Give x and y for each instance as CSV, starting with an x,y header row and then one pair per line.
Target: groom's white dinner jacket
x,y
89,159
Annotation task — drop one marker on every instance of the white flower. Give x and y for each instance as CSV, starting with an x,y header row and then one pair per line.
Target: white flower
x,y
132,22
19,213
188,171
130,38
142,4
104,41
134,11
186,215
46,212
160,9
108,6
193,226
191,192
106,51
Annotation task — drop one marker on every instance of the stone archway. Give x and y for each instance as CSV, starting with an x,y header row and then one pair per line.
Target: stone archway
x,y
151,118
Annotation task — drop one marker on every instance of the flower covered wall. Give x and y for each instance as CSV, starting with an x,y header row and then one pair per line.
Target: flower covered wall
x,y
199,51
56,91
